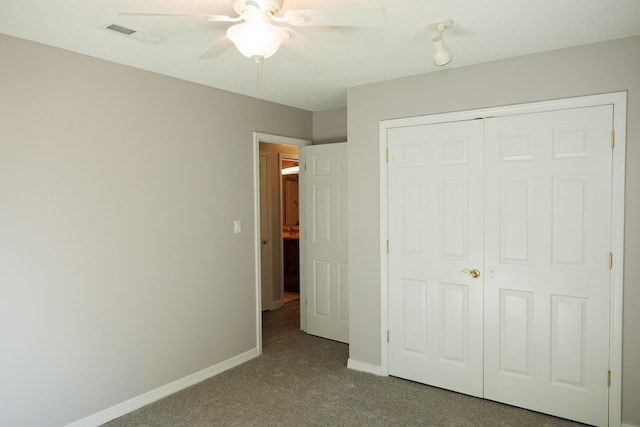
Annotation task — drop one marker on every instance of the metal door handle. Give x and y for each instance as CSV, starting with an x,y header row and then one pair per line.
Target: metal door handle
x,y
475,273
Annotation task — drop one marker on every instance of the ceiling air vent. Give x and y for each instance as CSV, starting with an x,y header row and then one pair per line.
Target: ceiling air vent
x,y
123,30
139,35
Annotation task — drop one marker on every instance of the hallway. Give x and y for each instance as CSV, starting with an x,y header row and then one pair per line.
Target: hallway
x,y
283,322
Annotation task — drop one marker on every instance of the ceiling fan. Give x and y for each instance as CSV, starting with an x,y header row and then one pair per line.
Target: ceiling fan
x,y
257,37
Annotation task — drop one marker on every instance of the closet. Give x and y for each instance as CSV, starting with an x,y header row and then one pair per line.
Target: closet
x,y
499,273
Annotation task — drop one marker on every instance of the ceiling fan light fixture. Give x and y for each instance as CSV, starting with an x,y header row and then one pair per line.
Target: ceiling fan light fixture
x,y
257,40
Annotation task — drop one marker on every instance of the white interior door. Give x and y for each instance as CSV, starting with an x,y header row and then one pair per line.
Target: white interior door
x,y
323,243
535,220
435,233
547,277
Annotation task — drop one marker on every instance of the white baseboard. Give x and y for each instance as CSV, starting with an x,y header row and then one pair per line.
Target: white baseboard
x,y
365,367
627,425
131,405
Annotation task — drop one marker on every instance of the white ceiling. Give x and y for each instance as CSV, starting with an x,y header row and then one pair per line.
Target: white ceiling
x,y
317,64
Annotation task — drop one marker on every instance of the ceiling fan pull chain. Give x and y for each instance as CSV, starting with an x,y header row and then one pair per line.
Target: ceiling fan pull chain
x,y
259,68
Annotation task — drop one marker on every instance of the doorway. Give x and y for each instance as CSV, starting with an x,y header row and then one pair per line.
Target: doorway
x,y
279,228
270,152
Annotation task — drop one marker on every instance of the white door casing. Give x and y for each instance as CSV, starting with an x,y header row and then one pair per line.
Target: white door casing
x,y
568,242
435,233
323,240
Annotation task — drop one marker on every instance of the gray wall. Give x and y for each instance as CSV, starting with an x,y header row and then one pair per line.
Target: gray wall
x,y
605,67
330,126
119,269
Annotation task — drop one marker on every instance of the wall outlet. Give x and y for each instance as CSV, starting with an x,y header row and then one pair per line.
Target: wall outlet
x,y
237,227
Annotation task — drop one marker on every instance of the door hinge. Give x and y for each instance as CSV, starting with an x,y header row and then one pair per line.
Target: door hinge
x,y
608,378
387,155
305,166
388,335
613,139
610,260
387,246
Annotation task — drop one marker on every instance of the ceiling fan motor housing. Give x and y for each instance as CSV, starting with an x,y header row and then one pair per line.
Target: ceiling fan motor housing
x,y
270,6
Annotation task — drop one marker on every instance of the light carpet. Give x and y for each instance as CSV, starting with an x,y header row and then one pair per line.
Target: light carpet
x,y
303,381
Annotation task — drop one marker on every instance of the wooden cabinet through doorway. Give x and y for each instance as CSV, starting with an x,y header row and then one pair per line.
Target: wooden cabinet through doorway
x,y
291,265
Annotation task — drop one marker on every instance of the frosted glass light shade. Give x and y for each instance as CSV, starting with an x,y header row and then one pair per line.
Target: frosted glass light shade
x,y
257,40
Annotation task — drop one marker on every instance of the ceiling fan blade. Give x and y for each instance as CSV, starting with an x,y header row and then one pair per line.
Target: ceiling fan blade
x,y
216,18
336,17
302,46
217,48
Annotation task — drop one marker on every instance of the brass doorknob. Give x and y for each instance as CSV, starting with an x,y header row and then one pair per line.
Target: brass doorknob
x,y
475,273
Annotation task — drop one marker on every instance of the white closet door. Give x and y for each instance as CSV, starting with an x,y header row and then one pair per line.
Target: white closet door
x,y
525,199
547,277
435,232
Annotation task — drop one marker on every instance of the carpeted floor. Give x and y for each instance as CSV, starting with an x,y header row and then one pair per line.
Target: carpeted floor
x,y
303,381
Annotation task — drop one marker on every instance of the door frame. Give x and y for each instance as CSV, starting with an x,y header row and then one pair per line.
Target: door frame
x,y
269,139
619,102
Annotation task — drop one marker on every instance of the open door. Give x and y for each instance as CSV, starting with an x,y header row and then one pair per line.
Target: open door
x,y
323,243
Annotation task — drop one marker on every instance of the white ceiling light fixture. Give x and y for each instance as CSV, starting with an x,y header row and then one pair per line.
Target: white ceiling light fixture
x,y
291,170
257,38
442,55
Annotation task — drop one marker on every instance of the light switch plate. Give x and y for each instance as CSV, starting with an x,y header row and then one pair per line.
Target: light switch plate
x,y
237,227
